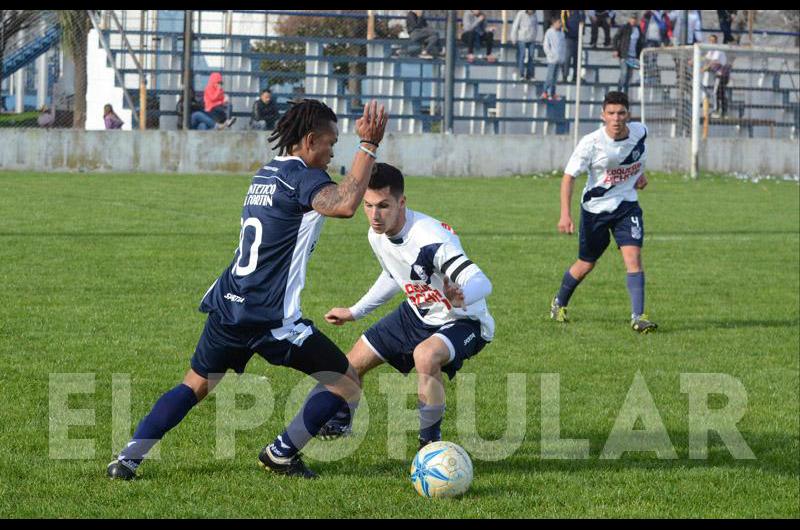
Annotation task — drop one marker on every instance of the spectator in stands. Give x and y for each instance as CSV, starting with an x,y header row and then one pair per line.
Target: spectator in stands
x,y
265,112
198,118
656,27
716,64
741,25
600,19
657,30
547,18
47,117
555,51
694,34
216,101
523,34
570,21
419,32
110,118
627,45
726,18
195,105
477,32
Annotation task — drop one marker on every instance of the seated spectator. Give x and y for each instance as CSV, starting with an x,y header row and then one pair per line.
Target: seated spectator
x,y
627,45
265,112
47,117
216,101
419,32
110,118
195,105
476,31
555,50
523,34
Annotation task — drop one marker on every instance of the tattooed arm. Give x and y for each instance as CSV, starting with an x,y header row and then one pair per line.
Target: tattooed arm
x,y
343,200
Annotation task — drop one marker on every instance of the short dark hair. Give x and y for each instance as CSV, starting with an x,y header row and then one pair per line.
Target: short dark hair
x,y
384,175
303,117
266,90
616,98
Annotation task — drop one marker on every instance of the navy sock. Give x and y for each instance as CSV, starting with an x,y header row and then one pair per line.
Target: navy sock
x,y
167,412
344,416
635,281
568,285
430,421
320,406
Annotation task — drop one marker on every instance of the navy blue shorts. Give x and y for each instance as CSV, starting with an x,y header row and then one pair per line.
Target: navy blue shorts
x,y
300,346
626,222
394,337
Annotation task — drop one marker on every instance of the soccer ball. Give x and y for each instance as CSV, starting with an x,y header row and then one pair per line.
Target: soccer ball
x,y
441,469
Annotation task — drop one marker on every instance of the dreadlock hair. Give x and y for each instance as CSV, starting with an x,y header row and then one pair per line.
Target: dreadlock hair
x,y
303,117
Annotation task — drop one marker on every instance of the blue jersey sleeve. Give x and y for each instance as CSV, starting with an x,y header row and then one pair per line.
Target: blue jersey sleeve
x,y
309,183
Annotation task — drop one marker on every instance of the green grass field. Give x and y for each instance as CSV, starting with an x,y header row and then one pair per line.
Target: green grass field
x,y
103,274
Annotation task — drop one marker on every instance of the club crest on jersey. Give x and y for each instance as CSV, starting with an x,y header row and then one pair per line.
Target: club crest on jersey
x,y
635,154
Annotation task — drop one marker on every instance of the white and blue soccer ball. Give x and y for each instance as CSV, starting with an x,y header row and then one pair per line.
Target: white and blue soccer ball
x,y
441,469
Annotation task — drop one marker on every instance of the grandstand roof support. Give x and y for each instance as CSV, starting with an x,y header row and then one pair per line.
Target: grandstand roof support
x,y
449,69
578,67
187,68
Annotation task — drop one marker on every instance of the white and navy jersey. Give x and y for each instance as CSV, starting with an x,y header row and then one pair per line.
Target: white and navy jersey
x,y
418,259
613,166
279,231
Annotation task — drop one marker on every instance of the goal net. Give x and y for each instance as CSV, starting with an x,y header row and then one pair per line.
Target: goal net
x,y
716,91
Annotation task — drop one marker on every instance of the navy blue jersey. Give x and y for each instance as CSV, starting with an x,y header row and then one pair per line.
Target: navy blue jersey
x,y
262,286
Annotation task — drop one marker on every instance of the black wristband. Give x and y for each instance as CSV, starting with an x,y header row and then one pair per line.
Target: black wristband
x,y
370,142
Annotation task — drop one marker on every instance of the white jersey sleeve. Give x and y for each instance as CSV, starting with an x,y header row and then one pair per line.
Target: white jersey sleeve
x,y
581,159
381,292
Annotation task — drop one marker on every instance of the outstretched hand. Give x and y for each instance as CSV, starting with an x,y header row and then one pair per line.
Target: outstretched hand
x,y
372,124
453,293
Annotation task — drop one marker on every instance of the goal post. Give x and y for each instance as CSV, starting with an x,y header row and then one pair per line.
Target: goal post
x,y
747,91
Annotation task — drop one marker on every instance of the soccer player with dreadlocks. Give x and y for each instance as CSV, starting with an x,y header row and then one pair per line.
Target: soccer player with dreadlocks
x,y
254,306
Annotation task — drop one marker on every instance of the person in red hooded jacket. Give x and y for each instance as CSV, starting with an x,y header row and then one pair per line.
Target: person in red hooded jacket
x,y
216,102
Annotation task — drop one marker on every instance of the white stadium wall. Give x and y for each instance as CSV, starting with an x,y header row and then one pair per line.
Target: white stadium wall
x,y
420,154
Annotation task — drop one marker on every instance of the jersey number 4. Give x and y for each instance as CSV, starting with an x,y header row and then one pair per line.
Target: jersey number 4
x,y
252,253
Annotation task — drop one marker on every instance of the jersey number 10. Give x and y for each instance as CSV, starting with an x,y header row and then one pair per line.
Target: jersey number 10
x,y
252,253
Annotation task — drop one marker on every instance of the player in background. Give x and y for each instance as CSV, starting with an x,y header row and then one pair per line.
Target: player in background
x,y
614,157
254,306
444,319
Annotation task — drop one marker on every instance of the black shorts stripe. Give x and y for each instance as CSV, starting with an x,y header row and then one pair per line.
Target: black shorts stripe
x,y
456,272
449,262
